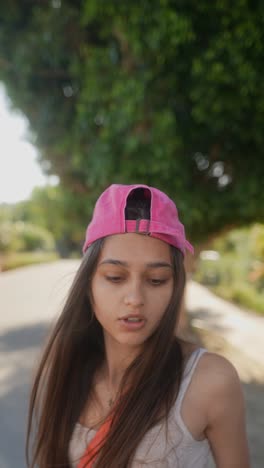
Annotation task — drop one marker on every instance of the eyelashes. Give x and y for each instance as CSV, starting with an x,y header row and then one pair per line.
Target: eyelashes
x,y
151,281
158,282
114,279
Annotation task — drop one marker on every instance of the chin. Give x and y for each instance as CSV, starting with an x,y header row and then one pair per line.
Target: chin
x,y
132,341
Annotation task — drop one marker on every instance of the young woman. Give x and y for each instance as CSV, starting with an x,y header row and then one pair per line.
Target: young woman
x,y
116,388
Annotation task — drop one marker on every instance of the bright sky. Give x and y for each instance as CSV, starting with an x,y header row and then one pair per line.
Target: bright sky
x,y
19,170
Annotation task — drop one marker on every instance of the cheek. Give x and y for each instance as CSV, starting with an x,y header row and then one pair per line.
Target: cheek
x,y
160,300
101,291
96,297
103,298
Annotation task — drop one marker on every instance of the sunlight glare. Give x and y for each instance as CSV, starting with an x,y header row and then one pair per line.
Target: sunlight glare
x,y
19,169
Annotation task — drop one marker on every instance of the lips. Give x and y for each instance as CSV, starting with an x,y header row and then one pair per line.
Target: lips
x,y
132,317
132,322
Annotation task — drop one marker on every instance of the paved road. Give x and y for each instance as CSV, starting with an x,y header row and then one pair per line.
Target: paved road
x,y
31,298
237,335
241,329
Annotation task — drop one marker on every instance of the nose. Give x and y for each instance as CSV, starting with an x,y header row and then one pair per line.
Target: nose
x,y
134,296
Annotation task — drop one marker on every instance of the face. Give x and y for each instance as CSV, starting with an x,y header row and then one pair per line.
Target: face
x,y
131,287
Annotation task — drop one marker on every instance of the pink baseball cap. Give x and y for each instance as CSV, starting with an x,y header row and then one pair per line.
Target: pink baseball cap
x,y
109,217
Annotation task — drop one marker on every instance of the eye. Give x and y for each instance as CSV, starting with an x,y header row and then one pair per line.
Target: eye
x,y
114,279
157,282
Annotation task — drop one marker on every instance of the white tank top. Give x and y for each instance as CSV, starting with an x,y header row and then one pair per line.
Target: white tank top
x,y
159,449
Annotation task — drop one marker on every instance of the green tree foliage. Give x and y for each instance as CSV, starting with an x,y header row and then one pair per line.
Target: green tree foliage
x,y
166,92
54,210
257,242
236,270
60,212
24,237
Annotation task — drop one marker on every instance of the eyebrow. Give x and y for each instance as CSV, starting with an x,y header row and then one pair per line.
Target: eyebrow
x,y
112,261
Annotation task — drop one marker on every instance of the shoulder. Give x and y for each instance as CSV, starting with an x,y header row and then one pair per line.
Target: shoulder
x,y
222,403
217,370
213,374
220,385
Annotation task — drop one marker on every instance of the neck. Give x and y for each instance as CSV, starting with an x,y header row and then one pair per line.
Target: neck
x,y
118,358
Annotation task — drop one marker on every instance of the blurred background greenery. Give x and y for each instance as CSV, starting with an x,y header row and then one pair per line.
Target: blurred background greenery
x,y
167,93
235,268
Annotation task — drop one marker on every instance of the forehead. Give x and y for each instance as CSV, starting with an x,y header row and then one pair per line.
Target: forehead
x,y
135,248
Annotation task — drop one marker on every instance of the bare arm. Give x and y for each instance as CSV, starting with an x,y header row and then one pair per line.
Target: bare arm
x,y
226,428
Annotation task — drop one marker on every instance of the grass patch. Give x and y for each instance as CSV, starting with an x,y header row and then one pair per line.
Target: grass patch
x,y
228,277
20,259
243,295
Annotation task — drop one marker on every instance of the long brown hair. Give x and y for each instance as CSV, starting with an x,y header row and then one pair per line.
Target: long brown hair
x,y
75,351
